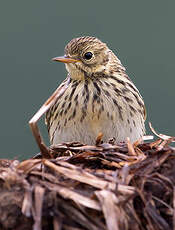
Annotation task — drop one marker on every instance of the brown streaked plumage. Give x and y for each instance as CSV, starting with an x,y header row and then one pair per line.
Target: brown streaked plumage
x,y
100,97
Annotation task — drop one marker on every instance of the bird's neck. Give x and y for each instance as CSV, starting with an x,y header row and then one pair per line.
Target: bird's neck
x,y
74,72
114,65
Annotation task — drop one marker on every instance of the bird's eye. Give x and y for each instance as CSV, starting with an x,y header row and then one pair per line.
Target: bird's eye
x,y
88,55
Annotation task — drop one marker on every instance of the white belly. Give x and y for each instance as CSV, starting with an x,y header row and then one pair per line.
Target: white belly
x,y
103,116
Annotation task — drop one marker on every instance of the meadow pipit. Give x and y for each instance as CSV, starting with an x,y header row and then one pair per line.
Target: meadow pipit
x,y
100,97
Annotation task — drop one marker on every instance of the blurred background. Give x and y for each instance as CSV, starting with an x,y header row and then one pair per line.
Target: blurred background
x,y
141,33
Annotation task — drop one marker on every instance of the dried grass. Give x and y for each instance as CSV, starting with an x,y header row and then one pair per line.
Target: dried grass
x,y
102,187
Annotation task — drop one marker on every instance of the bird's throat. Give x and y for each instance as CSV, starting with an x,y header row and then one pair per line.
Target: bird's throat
x,y
74,72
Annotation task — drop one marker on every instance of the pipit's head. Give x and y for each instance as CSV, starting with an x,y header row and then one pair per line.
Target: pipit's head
x,y
86,56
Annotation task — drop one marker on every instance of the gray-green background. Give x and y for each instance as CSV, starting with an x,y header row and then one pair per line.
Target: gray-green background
x,y
141,33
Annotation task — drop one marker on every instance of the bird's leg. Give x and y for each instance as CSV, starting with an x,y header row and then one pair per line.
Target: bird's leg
x,y
33,122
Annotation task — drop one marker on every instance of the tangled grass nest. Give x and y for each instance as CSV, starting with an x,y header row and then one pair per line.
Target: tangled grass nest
x,y
101,187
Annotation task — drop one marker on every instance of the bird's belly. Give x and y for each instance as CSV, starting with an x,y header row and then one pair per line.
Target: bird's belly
x,y
85,128
85,111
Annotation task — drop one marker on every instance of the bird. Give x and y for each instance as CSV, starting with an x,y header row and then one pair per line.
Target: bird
x,y
100,97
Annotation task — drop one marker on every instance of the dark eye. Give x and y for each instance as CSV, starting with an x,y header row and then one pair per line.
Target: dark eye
x,y
88,55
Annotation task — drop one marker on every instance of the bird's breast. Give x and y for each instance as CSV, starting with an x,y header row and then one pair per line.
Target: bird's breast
x,y
89,107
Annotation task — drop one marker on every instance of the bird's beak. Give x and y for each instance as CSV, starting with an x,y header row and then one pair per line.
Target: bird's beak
x,y
64,59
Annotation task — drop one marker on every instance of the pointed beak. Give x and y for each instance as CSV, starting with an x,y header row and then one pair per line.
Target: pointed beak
x,y
64,59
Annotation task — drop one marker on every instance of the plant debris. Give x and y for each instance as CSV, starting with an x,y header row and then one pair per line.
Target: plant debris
x,y
102,187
